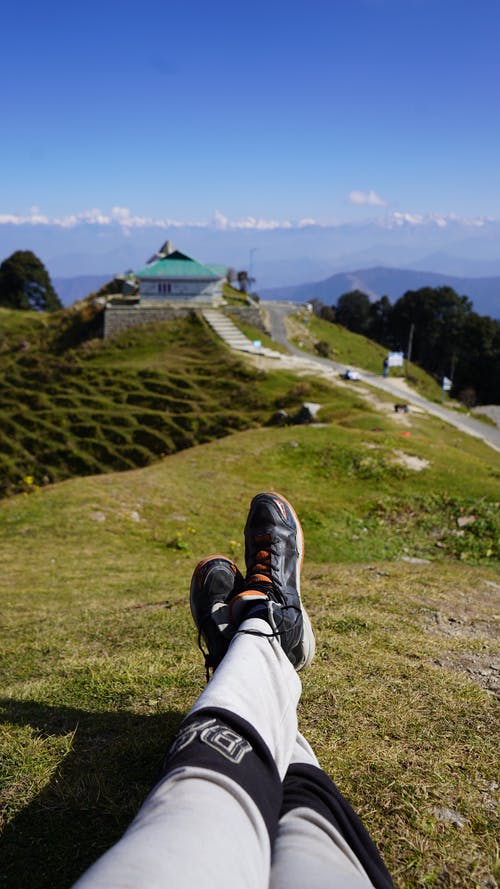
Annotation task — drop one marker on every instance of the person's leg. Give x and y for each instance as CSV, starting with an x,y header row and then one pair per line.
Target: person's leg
x,y
320,841
211,820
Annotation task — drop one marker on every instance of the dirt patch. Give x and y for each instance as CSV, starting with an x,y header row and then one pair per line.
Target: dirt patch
x,y
473,619
410,461
460,625
483,669
407,460
301,366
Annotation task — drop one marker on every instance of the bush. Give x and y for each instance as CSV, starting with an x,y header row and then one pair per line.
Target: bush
x,y
323,349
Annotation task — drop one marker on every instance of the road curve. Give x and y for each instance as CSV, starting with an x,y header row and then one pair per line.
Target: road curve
x,y
277,313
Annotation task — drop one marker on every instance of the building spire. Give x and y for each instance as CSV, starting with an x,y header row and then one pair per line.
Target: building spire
x,y
167,249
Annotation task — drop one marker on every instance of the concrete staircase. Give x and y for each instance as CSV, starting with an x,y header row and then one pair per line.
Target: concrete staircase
x,y
228,331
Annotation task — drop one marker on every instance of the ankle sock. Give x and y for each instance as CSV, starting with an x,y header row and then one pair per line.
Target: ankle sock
x,y
256,609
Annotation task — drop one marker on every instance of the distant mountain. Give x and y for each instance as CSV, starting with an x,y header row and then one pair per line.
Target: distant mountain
x,y
484,292
69,290
459,266
90,248
283,253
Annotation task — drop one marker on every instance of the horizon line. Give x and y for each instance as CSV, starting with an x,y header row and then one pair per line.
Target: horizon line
x,y
122,217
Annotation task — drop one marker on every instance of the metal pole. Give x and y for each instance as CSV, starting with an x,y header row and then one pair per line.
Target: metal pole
x,y
410,340
410,344
250,270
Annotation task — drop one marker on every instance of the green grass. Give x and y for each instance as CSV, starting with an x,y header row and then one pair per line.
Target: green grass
x,y
354,350
234,296
14,326
483,418
72,408
99,658
255,333
99,653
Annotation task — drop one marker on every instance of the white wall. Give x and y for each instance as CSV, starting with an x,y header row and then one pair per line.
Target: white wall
x,y
165,290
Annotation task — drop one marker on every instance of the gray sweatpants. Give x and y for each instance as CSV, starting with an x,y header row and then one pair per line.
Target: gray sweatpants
x,y
217,819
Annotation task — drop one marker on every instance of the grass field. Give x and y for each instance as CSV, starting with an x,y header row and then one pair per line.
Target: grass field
x,y
99,658
71,406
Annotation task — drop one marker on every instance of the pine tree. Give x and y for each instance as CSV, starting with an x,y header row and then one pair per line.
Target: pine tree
x,y
25,284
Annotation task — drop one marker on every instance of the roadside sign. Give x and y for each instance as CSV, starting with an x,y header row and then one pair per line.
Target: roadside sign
x,y
395,359
447,384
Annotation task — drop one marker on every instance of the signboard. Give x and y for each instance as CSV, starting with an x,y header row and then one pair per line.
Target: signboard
x,y
395,359
447,384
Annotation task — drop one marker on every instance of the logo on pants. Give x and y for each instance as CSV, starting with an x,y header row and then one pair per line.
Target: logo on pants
x,y
214,734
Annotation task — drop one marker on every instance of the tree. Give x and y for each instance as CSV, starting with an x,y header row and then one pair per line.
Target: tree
x,y
243,281
438,316
317,305
25,284
353,311
327,313
380,321
478,364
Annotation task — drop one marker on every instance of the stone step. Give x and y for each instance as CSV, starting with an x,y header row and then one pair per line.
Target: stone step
x,y
230,333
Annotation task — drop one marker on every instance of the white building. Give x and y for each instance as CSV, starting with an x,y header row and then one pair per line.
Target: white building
x,y
171,276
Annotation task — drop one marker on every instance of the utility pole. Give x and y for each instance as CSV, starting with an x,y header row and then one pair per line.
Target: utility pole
x,y
410,341
453,365
410,344
250,270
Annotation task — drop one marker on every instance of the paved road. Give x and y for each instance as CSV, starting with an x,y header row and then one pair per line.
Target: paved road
x,y
399,390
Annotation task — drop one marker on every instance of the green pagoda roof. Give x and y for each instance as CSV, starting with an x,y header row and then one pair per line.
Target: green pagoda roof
x,y
219,270
176,267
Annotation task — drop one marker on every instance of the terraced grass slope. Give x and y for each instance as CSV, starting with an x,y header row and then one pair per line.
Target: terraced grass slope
x,y
71,404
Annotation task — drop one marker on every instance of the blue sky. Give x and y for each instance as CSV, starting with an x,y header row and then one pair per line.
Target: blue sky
x,y
329,110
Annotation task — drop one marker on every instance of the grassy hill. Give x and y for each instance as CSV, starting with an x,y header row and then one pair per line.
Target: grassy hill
x,y
99,658
72,404
351,349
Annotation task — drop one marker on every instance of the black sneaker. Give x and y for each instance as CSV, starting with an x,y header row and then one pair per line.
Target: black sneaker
x,y
274,548
215,579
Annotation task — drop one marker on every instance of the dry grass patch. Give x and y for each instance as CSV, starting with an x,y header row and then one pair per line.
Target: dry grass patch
x,y
413,745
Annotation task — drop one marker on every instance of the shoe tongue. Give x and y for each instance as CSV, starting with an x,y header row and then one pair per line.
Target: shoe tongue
x,y
258,583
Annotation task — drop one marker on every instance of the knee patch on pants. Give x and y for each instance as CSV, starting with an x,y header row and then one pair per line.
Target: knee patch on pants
x,y
219,741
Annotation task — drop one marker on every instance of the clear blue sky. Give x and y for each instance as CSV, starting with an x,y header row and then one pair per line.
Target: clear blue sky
x,y
279,110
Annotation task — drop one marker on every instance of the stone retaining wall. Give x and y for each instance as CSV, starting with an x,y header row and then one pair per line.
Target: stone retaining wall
x,y
119,318
249,315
